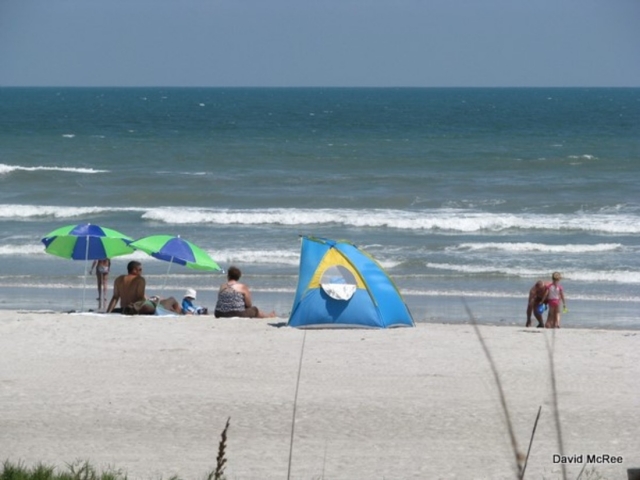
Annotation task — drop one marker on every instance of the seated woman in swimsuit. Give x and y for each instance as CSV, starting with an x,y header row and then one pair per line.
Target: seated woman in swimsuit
x,y
234,299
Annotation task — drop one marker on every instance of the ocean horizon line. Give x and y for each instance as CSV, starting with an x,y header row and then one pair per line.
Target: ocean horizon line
x,y
327,87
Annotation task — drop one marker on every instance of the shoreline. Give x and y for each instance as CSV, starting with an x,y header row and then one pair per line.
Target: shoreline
x,y
619,315
150,395
425,309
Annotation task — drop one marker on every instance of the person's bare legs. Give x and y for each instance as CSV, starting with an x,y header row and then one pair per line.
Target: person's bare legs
x,y
553,319
171,304
101,298
105,286
255,312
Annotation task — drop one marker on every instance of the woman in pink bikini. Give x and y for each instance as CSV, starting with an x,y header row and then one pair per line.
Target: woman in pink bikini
x,y
554,295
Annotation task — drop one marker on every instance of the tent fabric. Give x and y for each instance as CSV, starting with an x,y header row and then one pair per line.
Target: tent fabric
x,y
340,285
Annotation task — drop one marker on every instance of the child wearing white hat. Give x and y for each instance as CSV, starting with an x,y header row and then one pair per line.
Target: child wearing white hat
x,y
188,308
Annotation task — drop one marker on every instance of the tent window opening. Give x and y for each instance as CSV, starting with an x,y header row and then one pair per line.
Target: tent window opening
x,y
338,282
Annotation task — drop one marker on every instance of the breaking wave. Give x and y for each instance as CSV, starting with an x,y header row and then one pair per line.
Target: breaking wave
x,y
436,220
38,211
444,220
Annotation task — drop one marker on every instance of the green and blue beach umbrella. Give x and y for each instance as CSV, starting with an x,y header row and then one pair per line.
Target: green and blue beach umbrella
x,y
86,242
174,249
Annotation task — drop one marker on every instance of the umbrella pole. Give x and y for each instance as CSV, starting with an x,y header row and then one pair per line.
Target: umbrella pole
x,y
166,277
84,285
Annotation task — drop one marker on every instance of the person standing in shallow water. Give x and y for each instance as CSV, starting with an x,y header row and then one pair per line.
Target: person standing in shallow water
x,y
234,299
102,276
553,296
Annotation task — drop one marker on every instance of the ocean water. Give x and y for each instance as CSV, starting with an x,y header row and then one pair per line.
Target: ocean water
x,y
465,196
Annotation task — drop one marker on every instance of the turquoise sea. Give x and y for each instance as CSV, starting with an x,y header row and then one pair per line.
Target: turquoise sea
x,y
464,195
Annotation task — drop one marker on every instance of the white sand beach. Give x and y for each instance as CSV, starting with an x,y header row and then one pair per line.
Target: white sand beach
x,y
151,395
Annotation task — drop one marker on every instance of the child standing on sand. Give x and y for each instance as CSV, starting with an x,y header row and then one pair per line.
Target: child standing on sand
x,y
554,295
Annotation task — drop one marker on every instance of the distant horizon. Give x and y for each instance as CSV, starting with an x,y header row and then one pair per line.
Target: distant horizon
x,y
362,87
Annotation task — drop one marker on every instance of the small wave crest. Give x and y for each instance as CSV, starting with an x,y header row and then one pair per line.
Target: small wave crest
x,y
6,169
270,257
590,276
31,211
36,211
514,295
22,249
527,247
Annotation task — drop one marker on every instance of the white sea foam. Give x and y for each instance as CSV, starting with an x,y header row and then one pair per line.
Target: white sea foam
x,y
68,135
28,249
5,169
446,220
515,295
165,172
589,276
281,256
245,256
224,257
526,247
32,211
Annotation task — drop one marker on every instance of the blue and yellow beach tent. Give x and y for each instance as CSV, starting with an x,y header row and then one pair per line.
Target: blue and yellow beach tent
x,y
340,285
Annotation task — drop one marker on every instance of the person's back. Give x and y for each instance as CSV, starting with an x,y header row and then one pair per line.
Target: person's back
x,y
234,299
128,288
230,300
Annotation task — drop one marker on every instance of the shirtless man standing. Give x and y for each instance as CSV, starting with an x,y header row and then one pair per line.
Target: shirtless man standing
x,y
128,288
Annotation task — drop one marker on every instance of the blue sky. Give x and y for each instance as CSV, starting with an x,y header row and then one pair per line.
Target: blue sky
x,y
424,43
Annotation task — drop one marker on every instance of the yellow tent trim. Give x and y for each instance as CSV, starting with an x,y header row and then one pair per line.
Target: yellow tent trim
x,y
331,258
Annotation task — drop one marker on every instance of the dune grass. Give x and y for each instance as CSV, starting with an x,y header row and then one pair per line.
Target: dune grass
x,y
80,470
83,470
221,459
